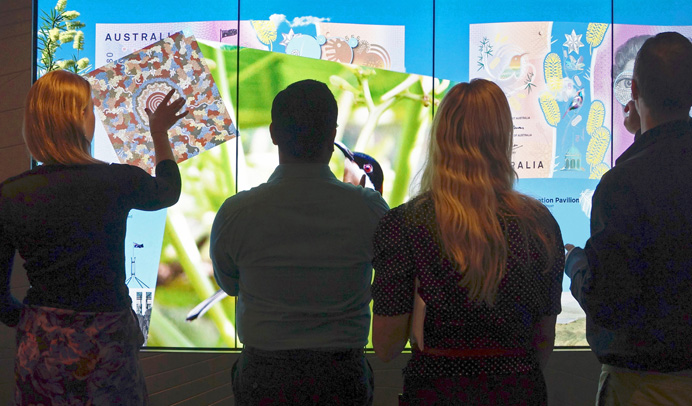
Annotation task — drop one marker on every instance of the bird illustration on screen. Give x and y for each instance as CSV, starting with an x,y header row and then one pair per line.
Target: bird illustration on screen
x,y
576,102
362,167
359,165
514,67
199,310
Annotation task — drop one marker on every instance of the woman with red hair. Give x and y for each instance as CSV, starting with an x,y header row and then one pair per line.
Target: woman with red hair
x,y
471,268
77,337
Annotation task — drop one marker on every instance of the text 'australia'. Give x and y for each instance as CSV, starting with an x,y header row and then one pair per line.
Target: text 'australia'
x,y
527,165
136,36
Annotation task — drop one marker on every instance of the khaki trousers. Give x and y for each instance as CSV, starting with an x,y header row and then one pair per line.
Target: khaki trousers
x,y
624,387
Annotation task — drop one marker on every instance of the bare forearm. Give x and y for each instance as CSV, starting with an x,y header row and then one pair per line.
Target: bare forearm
x,y
390,335
162,147
544,351
544,339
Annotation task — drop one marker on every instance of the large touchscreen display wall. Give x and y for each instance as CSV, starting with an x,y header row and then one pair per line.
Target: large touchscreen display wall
x,y
566,76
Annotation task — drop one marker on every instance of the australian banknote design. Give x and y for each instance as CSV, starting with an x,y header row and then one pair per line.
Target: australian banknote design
x,y
546,69
377,46
124,88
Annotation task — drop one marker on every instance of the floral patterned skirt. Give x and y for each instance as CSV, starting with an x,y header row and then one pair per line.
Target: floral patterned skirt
x,y
66,357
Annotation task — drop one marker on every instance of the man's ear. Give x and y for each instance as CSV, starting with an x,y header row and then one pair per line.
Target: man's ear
x,y
271,133
635,89
331,139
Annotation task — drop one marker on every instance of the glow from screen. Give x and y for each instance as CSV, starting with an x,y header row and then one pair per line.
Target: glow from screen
x,y
388,65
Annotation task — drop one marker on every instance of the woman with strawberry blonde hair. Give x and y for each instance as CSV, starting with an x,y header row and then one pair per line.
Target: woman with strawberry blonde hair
x,y
470,269
77,338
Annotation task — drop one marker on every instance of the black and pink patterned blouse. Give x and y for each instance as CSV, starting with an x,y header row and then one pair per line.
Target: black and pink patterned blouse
x,y
407,246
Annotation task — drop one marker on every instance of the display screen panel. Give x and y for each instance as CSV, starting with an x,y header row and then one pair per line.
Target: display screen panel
x,y
388,66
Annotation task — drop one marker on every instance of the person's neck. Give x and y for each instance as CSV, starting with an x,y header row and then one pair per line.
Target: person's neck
x,y
292,159
650,121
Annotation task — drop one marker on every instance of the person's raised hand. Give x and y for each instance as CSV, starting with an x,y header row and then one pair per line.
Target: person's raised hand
x,y
632,120
165,115
568,250
160,121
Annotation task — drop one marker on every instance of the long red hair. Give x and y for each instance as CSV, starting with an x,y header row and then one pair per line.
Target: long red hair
x,y
54,119
470,178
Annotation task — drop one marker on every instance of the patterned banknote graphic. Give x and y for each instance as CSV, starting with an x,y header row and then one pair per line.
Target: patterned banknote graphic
x,y
558,93
116,40
376,46
123,89
512,55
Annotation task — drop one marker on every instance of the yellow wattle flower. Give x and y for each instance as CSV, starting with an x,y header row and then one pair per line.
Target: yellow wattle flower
x,y
265,30
78,41
67,36
82,63
65,64
596,116
599,170
595,32
70,15
598,145
550,109
552,69
54,34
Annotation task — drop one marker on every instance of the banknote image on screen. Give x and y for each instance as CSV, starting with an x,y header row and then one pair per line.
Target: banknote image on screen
x,y
566,83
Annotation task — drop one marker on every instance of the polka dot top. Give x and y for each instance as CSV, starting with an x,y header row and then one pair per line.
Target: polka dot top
x,y
407,246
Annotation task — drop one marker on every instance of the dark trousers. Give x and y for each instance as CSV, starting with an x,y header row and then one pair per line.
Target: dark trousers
x,y
521,389
302,377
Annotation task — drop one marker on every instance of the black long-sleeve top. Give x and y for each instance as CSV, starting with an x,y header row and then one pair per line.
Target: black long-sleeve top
x,y
634,276
68,223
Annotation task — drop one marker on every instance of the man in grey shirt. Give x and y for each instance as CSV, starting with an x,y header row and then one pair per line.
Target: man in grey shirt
x,y
297,252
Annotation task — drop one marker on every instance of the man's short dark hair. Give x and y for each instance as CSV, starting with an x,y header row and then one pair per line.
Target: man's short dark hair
x,y
303,117
663,72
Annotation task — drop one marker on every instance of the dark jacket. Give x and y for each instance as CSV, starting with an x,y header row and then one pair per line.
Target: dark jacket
x,y
634,276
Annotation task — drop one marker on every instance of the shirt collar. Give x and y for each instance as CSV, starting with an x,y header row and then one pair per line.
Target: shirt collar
x,y
302,171
674,127
665,130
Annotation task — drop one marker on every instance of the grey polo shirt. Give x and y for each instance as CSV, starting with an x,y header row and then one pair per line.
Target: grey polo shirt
x,y
297,252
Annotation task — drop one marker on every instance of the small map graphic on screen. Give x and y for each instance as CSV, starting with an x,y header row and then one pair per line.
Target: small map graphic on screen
x,y
123,89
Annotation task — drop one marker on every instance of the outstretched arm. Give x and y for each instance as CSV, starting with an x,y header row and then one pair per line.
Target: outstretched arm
x,y
160,121
393,287
604,273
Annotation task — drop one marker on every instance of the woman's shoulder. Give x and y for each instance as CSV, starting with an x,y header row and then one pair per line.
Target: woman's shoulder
x,y
545,217
415,210
96,171
122,171
14,179
529,214
40,175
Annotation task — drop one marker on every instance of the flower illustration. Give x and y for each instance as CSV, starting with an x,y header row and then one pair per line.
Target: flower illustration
x,y
59,27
